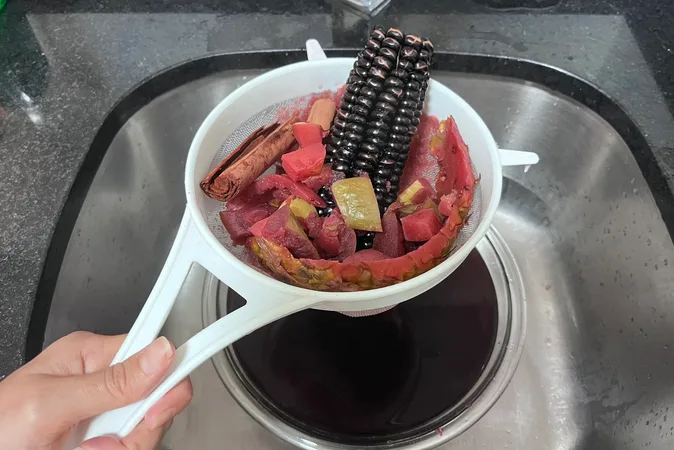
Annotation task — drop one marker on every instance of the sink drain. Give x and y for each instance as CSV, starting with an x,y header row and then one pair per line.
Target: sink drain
x,y
413,377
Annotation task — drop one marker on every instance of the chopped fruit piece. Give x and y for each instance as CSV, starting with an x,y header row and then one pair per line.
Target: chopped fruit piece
x,y
288,187
307,134
450,208
256,229
313,224
408,209
448,204
437,144
411,209
238,223
283,229
430,204
390,241
306,215
305,162
416,192
274,187
456,171
357,202
421,163
365,255
336,239
421,226
322,112
300,208
323,274
326,177
465,178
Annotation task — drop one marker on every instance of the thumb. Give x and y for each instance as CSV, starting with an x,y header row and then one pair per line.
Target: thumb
x,y
102,443
118,385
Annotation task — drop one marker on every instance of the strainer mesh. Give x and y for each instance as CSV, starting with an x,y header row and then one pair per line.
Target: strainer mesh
x,y
269,116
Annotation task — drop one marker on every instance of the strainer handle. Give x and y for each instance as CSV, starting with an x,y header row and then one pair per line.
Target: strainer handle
x,y
262,308
314,50
160,301
188,247
517,158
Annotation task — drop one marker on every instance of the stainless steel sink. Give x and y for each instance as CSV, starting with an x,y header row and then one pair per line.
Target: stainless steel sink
x,y
597,371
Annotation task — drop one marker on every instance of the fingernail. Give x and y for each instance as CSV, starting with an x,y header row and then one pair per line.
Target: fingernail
x,y
100,443
154,356
161,418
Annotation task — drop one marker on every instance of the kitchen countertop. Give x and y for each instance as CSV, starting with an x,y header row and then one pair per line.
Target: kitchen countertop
x,y
64,65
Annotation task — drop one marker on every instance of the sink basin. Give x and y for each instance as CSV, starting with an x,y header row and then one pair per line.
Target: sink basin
x,y
583,225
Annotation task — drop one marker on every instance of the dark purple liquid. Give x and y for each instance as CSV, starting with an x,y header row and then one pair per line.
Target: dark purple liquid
x,y
366,380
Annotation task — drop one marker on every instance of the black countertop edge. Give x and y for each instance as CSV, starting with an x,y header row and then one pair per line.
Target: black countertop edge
x,y
552,78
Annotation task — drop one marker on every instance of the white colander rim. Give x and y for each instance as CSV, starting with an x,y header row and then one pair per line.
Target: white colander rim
x,y
423,281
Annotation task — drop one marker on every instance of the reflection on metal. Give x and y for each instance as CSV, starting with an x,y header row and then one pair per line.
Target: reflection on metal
x,y
595,258
496,374
366,8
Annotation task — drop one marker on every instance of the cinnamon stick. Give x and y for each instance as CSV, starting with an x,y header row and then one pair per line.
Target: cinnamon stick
x,y
246,146
248,161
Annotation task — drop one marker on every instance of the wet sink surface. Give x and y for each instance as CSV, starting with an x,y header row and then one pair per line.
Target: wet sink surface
x,y
597,369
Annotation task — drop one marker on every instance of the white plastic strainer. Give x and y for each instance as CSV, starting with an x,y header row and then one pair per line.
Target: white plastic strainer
x,y
201,237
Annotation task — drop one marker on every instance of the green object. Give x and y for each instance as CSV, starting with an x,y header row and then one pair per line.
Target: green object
x,y
2,4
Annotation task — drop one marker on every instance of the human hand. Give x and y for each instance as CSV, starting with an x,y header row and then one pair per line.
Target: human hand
x,y
72,381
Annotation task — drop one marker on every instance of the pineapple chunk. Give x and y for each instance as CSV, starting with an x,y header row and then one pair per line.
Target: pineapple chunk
x,y
411,209
300,208
416,192
357,203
